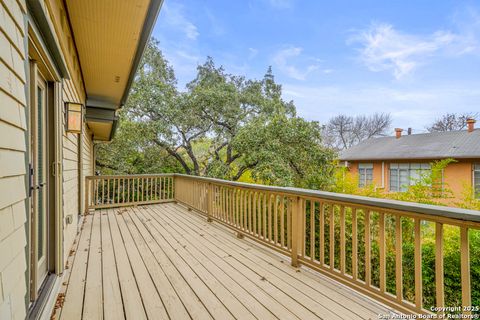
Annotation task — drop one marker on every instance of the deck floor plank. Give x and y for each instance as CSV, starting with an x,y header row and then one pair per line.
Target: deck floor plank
x,y
321,284
112,296
93,300
341,304
259,302
73,303
188,296
132,301
225,288
165,262
152,302
300,304
213,302
167,291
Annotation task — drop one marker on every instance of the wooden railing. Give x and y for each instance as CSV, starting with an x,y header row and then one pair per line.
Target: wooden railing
x,y
128,190
375,246
371,245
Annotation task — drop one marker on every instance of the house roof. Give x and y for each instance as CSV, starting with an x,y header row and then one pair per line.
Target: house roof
x,y
438,145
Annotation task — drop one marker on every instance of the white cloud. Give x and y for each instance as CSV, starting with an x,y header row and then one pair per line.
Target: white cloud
x,y
252,53
386,49
175,17
414,106
283,61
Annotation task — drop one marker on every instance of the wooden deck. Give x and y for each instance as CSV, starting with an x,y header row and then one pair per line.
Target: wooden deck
x,y
163,261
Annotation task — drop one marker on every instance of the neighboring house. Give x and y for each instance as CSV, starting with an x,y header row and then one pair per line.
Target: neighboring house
x,y
66,67
394,163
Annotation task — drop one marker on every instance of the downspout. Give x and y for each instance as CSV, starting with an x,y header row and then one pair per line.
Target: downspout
x,y
383,175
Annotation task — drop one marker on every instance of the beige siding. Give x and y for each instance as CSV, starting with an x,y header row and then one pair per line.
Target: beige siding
x,y
13,124
12,160
71,191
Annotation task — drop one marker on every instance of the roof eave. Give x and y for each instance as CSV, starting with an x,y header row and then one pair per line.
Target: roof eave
x,y
153,11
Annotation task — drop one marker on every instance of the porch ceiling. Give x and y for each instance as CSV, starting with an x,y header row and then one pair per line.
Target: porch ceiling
x,y
110,37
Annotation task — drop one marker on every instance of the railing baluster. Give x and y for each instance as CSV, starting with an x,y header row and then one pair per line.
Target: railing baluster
x,y
418,264
342,239
312,230
398,258
302,206
246,209
282,221
151,188
321,247
332,236
137,196
128,190
241,208
231,204
238,203
108,191
103,191
123,190
251,205
270,235
113,191
289,223
275,222
439,284
255,205
382,258
296,230
368,249
264,215
354,245
465,268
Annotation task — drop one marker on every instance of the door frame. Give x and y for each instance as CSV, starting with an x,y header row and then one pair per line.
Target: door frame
x,y
41,61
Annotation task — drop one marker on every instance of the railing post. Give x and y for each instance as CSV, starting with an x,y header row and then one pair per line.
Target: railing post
x,y
87,195
209,202
297,231
465,269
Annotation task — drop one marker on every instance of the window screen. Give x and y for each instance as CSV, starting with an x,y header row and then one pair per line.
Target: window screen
x,y
403,175
476,180
365,173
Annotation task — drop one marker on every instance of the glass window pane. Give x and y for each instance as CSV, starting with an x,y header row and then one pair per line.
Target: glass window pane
x,y
365,165
404,179
476,180
393,180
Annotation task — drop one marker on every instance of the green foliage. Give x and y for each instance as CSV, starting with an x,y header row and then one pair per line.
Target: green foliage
x,y
468,199
223,126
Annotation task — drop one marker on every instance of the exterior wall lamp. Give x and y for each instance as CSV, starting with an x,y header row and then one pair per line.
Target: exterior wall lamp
x,y
75,116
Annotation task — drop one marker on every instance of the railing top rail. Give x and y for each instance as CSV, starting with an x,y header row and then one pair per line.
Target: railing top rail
x,y
434,210
129,176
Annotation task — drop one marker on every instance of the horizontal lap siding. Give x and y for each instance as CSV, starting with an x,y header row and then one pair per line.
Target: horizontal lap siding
x,y
12,160
71,191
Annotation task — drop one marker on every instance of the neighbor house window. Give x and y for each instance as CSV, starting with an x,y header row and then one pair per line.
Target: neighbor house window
x,y
403,175
365,173
476,180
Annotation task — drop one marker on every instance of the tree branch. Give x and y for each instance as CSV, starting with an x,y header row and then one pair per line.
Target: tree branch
x,y
174,154
242,170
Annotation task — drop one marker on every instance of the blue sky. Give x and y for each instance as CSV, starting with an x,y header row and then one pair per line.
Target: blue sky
x,y
413,59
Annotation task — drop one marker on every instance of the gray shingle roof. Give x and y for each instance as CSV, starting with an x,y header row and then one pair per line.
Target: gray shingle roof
x,y
438,145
